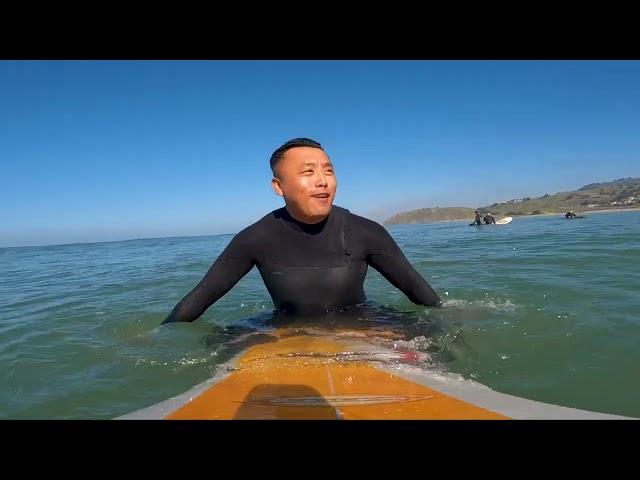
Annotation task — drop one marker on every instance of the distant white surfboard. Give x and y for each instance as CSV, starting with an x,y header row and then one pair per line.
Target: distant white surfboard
x,y
504,221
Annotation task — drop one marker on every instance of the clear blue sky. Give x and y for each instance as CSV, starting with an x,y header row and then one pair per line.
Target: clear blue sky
x,y
103,150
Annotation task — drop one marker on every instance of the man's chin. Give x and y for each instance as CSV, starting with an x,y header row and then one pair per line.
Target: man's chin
x,y
320,214
323,212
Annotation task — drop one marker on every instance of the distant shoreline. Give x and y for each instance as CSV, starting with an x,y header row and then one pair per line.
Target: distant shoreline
x,y
609,210
386,226
612,210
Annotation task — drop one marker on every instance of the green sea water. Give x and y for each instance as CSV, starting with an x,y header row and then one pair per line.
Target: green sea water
x,y
544,308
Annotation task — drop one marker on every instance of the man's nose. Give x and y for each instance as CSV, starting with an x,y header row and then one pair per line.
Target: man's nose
x,y
321,180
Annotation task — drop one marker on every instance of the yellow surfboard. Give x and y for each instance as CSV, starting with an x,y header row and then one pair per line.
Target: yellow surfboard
x,y
342,375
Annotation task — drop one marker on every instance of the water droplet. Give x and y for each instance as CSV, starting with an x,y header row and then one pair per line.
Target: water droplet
x,y
504,357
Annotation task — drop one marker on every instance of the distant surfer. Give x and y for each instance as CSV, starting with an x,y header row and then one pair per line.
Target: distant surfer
x,y
478,220
312,256
488,219
569,214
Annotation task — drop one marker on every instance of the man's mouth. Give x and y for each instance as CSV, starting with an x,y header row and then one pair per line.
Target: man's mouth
x,y
320,195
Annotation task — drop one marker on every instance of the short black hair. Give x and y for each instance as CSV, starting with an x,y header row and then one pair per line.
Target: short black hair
x,y
293,143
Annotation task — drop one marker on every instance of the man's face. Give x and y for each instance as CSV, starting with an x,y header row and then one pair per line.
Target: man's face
x,y
305,178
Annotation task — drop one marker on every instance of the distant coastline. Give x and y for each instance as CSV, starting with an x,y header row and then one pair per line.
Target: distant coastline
x,y
556,214
616,196
608,210
465,220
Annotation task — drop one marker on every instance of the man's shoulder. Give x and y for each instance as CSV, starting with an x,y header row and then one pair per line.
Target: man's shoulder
x,y
361,222
258,228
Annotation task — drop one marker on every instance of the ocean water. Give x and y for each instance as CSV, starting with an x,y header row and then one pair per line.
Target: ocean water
x,y
544,308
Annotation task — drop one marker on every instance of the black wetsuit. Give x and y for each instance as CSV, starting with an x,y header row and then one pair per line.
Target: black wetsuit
x,y
308,269
488,220
478,220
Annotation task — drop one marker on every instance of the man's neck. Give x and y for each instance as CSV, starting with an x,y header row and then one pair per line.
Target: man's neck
x,y
309,228
304,219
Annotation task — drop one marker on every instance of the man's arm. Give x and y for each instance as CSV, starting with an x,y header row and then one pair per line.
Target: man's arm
x,y
233,263
385,256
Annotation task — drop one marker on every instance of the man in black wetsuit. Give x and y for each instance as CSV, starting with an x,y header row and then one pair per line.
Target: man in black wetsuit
x,y
489,219
312,256
478,220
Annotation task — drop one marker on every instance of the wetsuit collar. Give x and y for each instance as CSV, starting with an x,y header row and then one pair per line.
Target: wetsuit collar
x,y
310,228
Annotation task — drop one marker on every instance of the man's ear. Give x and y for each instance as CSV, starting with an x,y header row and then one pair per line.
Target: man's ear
x,y
275,184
